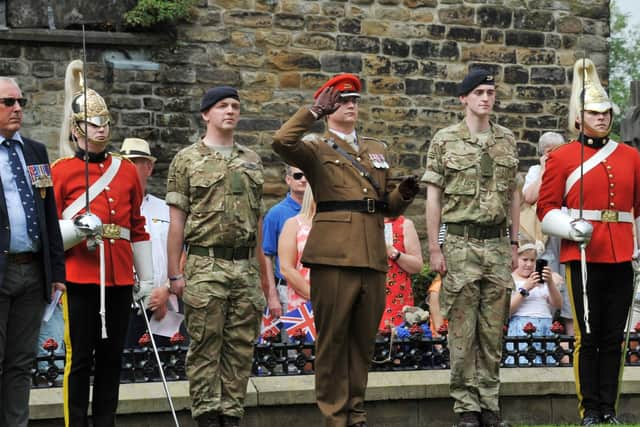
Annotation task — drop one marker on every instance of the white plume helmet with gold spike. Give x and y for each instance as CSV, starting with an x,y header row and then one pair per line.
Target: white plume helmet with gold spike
x,y
74,105
585,77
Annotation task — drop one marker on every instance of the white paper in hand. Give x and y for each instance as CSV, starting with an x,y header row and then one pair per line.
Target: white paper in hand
x,y
52,306
168,326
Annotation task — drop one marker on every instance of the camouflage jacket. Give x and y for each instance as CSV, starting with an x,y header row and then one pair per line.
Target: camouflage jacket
x,y
221,196
477,180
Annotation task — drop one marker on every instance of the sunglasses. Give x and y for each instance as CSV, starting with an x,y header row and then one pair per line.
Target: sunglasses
x,y
297,176
10,102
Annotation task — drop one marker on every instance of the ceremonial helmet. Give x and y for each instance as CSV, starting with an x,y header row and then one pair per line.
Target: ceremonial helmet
x,y
585,78
77,98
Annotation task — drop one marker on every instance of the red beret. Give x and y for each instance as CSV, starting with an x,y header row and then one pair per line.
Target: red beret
x,y
347,84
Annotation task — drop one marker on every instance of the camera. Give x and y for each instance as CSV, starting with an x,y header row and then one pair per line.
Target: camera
x,y
540,265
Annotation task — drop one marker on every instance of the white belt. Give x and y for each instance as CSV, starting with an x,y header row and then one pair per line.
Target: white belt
x,y
603,216
114,231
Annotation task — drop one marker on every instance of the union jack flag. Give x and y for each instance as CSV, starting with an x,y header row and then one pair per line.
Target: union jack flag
x,y
300,320
270,326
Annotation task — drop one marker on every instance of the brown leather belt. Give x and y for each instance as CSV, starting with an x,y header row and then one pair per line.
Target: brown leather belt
x,y
23,257
222,252
476,231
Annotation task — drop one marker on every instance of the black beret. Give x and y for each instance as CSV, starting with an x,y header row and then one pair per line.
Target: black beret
x,y
475,78
215,94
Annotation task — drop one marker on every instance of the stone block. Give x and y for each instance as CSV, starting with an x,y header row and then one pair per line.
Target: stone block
x,y
392,14
462,15
557,109
258,79
418,86
135,119
205,34
520,108
300,8
569,41
180,54
176,91
376,65
386,85
152,104
258,124
179,74
434,69
412,4
393,114
217,76
242,39
536,20
318,41
493,36
288,21
247,18
140,89
435,31
251,59
273,38
321,24
341,63
464,34
358,44
541,122
178,120
535,92
553,41
422,16
124,102
590,9
349,25
494,16
42,69
375,27
48,84
548,75
443,88
570,24
333,9
524,38
289,80
313,81
175,134
488,53
536,56
530,135
10,51
510,121
394,47
592,43
494,69
405,67
425,49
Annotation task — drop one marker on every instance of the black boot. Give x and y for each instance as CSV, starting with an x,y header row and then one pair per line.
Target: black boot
x,y
229,421
610,418
468,419
591,418
209,419
492,419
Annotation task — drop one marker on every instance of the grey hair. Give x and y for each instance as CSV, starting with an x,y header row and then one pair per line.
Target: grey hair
x,y
10,80
549,139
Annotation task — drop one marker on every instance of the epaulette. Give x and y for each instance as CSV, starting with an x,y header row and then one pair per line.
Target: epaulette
x,y
379,141
61,159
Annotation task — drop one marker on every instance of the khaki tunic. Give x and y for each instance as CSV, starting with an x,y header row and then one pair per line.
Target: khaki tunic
x,y
223,300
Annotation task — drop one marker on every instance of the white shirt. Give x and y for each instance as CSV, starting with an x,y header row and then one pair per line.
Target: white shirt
x,y
536,304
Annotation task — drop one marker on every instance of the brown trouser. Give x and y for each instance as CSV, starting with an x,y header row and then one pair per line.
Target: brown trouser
x,y
347,303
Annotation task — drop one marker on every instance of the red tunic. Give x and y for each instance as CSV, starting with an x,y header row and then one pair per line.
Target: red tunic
x,y
612,184
398,290
119,203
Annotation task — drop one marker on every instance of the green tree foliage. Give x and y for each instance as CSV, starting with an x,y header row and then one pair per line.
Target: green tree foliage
x,y
624,62
149,13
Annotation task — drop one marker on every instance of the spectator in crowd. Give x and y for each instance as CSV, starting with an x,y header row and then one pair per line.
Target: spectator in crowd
x,y
214,193
156,214
535,298
291,244
272,227
348,174
471,186
31,253
530,225
115,222
404,258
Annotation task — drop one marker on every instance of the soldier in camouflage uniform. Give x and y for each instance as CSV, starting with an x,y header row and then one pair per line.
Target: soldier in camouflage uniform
x,y
214,191
471,186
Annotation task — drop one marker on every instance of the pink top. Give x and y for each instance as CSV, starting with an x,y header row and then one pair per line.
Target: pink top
x,y
294,298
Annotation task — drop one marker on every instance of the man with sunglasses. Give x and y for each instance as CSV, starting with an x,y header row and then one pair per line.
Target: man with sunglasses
x,y
272,226
31,253
350,178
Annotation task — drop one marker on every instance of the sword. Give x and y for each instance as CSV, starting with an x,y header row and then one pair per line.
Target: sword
x,y
155,351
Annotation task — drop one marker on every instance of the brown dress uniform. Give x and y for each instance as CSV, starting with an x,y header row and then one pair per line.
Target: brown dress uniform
x,y
346,252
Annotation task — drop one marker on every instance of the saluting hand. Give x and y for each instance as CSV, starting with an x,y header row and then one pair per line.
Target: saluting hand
x,y
326,103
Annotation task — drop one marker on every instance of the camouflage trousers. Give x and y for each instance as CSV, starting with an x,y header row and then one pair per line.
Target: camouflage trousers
x,y
475,299
223,309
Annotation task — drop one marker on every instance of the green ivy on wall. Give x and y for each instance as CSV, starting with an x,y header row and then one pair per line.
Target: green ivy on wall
x,y
148,13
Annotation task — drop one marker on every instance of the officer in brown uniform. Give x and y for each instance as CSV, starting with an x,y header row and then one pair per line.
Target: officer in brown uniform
x,y
348,174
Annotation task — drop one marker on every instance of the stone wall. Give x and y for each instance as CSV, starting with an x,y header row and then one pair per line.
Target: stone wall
x,y
409,53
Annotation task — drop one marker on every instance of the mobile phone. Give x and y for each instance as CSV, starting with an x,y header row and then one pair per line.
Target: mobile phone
x,y
540,265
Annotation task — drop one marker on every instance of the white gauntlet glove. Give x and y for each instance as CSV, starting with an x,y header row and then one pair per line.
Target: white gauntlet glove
x,y
559,223
143,263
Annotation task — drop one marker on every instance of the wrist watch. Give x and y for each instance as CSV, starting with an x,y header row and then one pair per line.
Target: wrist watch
x,y
524,292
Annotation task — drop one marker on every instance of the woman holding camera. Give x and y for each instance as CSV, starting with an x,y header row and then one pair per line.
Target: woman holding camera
x,y
536,296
